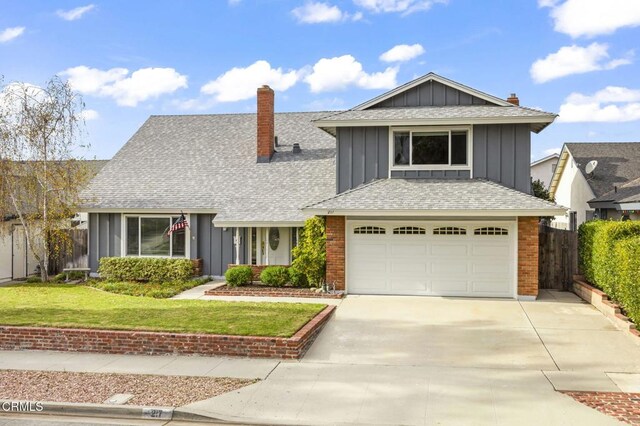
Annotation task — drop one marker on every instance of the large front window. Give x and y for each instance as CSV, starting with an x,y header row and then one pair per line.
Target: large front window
x,y
149,236
419,147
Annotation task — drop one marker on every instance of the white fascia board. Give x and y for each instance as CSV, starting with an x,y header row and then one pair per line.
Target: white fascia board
x,y
149,211
432,122
255,224
432,77
629,206
400,213
564,157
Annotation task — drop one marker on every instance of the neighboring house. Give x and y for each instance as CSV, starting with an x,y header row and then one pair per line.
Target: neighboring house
x,y
425,190
16,260
611,191
543,169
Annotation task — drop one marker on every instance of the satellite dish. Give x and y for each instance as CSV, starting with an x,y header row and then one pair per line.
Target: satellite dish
x,y
591,166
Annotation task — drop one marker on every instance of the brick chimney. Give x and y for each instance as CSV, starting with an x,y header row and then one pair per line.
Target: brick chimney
x,y
266,125
513,99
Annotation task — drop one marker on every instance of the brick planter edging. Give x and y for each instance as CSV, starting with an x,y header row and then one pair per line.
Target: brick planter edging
x,y
601,302
270,292
163,343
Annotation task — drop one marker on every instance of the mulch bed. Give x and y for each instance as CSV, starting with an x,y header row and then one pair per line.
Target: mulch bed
x,y
147,390
623,406
266,291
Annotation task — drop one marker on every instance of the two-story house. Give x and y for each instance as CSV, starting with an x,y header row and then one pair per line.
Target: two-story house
x,y
425,190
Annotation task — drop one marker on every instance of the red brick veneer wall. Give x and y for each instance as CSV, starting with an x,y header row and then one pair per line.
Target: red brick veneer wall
x,y
528,256
335,227
162,343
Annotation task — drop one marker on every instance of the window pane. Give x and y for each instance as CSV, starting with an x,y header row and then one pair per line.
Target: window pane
x,y
430,148
401,148
154,238
179,241
132,236
459,148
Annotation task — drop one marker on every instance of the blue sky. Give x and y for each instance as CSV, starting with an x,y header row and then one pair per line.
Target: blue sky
x,y
131,59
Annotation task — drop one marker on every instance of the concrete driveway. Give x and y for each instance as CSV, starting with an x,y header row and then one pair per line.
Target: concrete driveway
x,y
556,332
440,361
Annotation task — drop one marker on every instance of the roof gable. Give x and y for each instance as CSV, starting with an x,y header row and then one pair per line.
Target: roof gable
x,y
431,90
618,163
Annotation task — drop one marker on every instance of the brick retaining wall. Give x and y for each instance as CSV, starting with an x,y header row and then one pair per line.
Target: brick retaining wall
x,y
163,343
264,291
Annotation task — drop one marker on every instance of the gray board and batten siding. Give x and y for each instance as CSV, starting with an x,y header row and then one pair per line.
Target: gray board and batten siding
x,y
501,153
430,93
213,245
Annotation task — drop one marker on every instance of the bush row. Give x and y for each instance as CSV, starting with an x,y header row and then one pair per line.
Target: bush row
x,y
610,260
155,270
276,276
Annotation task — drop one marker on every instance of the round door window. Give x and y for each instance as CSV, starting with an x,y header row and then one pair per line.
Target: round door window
x,y
274,238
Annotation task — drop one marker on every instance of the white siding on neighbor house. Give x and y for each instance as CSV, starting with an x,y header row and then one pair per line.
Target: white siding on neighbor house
x,y
5,252
573,192
544,171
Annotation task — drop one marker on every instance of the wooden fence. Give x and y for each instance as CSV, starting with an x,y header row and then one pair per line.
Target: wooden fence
x,y
558,261
75,255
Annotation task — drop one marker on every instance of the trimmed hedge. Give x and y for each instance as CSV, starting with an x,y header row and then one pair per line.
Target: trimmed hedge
x,y
238,275
276,276
297,277
156,270
610,260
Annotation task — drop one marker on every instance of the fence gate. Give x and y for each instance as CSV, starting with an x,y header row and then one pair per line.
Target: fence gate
x,y
558,257
75,255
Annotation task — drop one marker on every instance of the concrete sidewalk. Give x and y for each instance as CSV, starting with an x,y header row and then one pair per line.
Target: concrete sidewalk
x,y
241,368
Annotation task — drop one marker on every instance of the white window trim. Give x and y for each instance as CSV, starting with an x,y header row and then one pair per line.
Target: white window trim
x,y
123,238
420,129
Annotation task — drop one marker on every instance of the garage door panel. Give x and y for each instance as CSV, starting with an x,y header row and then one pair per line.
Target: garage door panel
x,y
490,286
449,287
449,249
408,285
500,250
415,249
427,264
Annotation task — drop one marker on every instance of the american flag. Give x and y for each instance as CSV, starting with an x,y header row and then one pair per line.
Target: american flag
x,y
181,223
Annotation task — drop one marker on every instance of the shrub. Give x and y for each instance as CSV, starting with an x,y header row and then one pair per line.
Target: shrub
x,y
34,280
238,275
610,260
297,278
145,269
276,276
310,254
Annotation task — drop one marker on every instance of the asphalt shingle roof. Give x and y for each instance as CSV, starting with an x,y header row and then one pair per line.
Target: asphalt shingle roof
x,y
209,162
627,193
439,112
433,194
618,163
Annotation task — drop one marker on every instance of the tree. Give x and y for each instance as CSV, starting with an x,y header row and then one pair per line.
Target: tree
x,y
539,190
41,180
310,255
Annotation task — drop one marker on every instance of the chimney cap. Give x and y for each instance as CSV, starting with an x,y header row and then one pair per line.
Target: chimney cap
x,y
265,86
513,99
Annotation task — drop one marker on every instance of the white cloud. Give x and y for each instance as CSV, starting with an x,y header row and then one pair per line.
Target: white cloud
x,y
405,7
10,33
89,114
74,14
319,12
402,52
241,83
592,17
127,89
612,104
340,72
551,151
574,60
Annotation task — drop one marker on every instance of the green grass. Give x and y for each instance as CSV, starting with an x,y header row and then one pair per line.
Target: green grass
x,y
155,290
62,305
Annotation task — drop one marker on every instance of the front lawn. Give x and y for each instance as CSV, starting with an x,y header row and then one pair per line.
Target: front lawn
x,y
156,290
71,306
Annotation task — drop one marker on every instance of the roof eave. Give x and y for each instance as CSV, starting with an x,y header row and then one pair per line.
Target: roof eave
x,y
435,212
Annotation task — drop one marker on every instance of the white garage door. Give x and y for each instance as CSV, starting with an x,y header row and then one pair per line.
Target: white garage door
x,y
475,259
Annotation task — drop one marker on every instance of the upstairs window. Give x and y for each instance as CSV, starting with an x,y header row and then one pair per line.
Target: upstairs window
x,y
420,147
